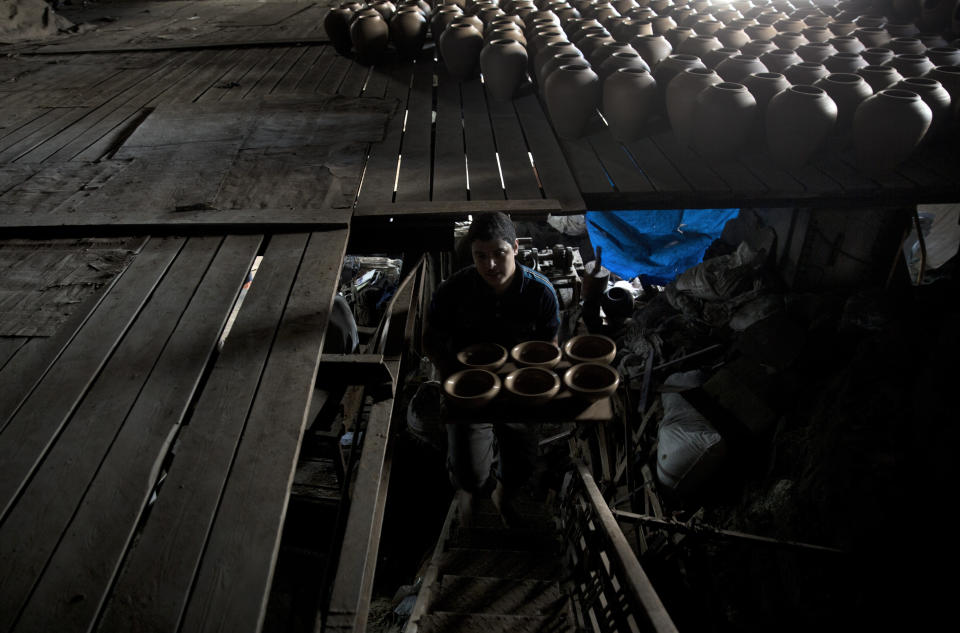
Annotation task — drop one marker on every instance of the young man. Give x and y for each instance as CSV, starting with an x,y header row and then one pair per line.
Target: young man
x,y
494,301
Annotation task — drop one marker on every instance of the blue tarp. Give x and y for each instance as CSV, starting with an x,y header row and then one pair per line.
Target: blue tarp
x,y
655,245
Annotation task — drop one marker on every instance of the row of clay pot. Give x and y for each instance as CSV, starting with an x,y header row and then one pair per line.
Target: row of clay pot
x,y
368,29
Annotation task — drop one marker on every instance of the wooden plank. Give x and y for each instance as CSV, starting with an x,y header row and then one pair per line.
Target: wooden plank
x,y
338,67
9,346
660,171
591,177
701,178
736,175
285,58
851,181
413,179
308,83
536,207
377,82
266,60
519,179
777,181
230,80
38,129
449,167
152,588
299,69
353,82
483,175
381,169
554,173
31,431
270,14
114,417
234,578
619,165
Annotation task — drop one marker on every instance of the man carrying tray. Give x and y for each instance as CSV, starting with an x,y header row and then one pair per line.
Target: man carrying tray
x,y
498,301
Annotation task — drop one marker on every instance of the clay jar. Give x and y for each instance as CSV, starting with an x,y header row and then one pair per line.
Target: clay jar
x,y
887,128
547,53
722,116
460,46
911,65
763,87
678,36
879,77
909,45
789,39
759,47
630,28
652,48
699,45
408,30
805,73
337,25
670,68
816,51
877,56
797,124
844,63
777,61
504,65
935,96
442,18
732,37
949,78
816,34
735,68
761,32
872,37
847,44
555,62
681,97
605,50
622,59
944,56
629,98
847,91
370,35
572,93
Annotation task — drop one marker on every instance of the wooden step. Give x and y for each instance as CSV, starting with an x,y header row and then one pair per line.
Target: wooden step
x,y
470,594
504,564
442,622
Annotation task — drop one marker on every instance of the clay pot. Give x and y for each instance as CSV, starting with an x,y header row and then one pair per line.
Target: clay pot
x,y
935,40
877,56
872,37
442,18
944,55
370,35
910,45
722,116
879,77
842,28
731,37
714,57
699,45
758,47
911,65
536,354
706,26
678,35
489,356
385,8
589,44
590,348
789,25
735,68
661,24
580,35
935,96
797,124
532,386
779,60
504,32
547,53
789,39
629,29
847,90
337,25
844,63
605,50
555,62
408,31
629,100
591,381
652,48
460,47
905,29
471,388
888,127
617,304
816,51
472,20
847,44
805,73
672,66
504,67
760,32
572,93
949,78
622,59
816,34
763,87
681,97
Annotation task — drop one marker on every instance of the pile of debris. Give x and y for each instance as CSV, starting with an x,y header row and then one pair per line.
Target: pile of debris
x,y
29,20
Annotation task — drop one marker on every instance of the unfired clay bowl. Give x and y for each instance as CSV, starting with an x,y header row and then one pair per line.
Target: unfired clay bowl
x,y
489,356
532,385
536,354
590,348
591,381
471,388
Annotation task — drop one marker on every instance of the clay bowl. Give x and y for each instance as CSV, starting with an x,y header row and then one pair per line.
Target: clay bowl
x,y
536,354
471,388
590,348
532,385
591,381
489,356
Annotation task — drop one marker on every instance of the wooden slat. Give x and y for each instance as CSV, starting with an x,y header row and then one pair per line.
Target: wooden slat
x,y
413,182
39,420
381,170
556,179
353,82
28,136
267,59
337,69
152,589
483,176
736,175
701,178
591,177
298,70
376,82
618,164
519,179
315,73
778,182
537,206
234,578
9,346
449,168
149,372
283,60
660,171
231,80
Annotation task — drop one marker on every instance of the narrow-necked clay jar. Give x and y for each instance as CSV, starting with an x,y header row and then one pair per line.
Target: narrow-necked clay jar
x,y
618,60
731,37
847,90
761,32
758,47
442,18
779,60
879,77
672,66
887,128
805,73
711,59
652,48
798,122
722,116
735,68
699,45
844,62
408,31
816,51
555,62
370,35
949,78
337,25
546,54
847,44
944,55
911,65
877,55
789,39
572,93
910,45
935,96
629,100
678,35
504,67
681,96
460,47
605,50
816,34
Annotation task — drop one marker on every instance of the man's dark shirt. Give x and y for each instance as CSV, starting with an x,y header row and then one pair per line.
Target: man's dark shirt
x,y
465,310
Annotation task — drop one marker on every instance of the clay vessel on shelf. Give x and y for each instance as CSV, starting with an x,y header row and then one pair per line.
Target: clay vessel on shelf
x,y
629,100
798,121
681,97
722,116
887,128
572,93
504,67
460,47
370,36
879,77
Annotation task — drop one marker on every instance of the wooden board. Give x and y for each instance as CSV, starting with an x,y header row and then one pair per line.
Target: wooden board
x,y
483,173
519,178
413,179
449,168
152,589
381,169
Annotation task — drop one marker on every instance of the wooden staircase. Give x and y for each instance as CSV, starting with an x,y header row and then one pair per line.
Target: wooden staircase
x,y
487,578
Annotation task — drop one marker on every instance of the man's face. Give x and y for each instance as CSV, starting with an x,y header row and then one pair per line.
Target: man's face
x,y
496,262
